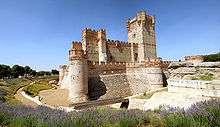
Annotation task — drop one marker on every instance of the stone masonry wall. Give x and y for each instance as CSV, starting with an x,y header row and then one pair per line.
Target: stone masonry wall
x,y
119,51
108,80
122,80
143,79
109,86
196,87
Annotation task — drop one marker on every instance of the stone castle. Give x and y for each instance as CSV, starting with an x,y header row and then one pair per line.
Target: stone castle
x,y
100,68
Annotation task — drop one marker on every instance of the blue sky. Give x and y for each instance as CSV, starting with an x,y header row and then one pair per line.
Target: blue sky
x,y
39,32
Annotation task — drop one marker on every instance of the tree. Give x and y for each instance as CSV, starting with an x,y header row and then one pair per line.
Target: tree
x,y
5,71
17,71
43,73
54,72
27,70
212,57
33,73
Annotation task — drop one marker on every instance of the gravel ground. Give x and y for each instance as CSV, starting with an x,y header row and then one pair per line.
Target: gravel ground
x,y
55,97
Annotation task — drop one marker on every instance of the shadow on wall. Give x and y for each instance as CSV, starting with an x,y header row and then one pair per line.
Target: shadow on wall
x,y
164,80
96,88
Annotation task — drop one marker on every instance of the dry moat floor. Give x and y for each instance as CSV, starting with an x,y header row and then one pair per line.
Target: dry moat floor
x,y
59,97
55,97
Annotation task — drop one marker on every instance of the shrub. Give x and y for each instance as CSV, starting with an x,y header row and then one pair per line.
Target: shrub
x,y
180,120
4,118
202,114
212,57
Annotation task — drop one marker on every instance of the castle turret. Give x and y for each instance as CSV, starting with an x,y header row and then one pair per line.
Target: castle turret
x,y
141,30
62,73
77,78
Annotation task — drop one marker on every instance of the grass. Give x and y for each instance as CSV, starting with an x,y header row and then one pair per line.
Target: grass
x,y
148,95
208,77
10,86
36,87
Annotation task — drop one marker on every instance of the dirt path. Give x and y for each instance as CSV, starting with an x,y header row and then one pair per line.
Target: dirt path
x,y
55,97
24,100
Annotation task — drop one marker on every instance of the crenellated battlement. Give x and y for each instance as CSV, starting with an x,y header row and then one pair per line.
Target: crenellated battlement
x,y
120,67
96,68
101,31
117,43
76,51
76,45
87,32
106,64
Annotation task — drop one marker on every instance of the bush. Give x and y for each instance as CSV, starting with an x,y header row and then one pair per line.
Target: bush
x,y
180,120
4,118
212,57
202,114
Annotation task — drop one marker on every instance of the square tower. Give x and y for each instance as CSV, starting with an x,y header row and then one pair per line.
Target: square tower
x,y
141,31
94,43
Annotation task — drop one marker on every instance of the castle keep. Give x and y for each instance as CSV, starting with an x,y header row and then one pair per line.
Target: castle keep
x,y
100,68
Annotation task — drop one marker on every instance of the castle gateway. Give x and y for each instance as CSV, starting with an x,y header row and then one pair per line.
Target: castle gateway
x,y
101,68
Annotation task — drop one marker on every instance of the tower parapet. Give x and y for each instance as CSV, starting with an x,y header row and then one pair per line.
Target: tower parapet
x,y
141,30
76,52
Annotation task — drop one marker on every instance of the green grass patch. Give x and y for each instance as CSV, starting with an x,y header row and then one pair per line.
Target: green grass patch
x,y
34,89
10,87
46,78
208,77
148,95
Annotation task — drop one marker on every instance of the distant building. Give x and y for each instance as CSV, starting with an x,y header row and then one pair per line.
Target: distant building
x,y
195,58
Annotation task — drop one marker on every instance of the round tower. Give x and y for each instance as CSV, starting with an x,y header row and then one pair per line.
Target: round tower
x,y
62,72
77,74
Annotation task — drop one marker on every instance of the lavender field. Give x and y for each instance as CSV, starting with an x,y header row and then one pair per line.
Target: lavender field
x,y
202,114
